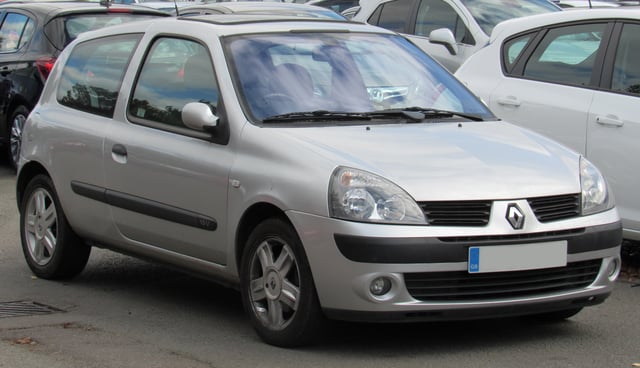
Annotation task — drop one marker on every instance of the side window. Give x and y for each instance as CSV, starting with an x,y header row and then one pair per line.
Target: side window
x,y
566,54
436,14
175,72
393,15
93,73
512,49
13,32
626,68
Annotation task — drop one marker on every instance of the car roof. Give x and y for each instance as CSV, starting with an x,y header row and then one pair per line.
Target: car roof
x,y
514,26
58,7
260,7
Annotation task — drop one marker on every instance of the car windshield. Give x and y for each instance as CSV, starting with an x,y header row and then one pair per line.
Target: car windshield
x,y
343,74
488,13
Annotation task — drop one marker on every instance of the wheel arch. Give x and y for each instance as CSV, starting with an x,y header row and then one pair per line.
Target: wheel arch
x,y
28,172
249,220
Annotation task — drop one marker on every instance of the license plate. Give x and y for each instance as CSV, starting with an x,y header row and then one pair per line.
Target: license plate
x,y
517,257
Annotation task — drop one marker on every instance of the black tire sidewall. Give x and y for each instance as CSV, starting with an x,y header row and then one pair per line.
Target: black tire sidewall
x,y
20,110
306,323
70,254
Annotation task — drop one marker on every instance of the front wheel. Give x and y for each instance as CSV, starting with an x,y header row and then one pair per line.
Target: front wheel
x,y
51,248
277,287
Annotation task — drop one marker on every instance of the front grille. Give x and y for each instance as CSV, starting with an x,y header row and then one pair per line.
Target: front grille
x,y
555,208
463,286
457,213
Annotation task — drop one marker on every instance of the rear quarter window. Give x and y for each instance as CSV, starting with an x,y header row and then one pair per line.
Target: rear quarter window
x,y
93,73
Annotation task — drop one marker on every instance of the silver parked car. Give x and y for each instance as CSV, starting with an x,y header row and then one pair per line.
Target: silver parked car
x,y
324,168
448,30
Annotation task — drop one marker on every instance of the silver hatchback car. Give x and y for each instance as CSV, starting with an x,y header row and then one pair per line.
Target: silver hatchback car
x,y
324,168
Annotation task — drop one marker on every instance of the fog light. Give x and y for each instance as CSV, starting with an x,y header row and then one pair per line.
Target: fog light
x,y
380,286
613,269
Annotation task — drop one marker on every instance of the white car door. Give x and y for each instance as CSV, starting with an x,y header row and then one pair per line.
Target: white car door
x,y
550,92
168,184
614,129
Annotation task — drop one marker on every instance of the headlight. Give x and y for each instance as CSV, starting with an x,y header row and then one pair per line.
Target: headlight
x,y
357,195
595,193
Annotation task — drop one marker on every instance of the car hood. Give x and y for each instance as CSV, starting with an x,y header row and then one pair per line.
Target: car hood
x,y
447,161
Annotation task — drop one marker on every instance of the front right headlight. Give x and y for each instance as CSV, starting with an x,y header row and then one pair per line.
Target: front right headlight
x,y
358,195
595,192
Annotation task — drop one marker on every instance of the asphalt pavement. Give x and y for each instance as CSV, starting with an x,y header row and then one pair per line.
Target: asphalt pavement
x,y
125,312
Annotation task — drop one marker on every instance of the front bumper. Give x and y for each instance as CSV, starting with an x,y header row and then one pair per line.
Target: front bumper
x,y
345,257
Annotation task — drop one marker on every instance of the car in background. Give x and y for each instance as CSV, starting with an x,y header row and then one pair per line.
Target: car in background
x,y
167,6
581,4
448,30
337,6
260,8
575,77
324,168
32,36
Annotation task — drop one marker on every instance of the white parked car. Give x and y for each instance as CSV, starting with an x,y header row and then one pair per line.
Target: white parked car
x,y
448,30
575,77
324,168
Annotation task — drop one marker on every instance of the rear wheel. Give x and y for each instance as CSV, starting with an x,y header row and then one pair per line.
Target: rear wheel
x,y
51,248
18,119
278,292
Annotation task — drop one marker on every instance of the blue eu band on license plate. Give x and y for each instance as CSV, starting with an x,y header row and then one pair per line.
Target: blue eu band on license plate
x,y
517,257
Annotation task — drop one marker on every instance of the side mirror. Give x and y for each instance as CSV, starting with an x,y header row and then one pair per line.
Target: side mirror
x,y
444,36
198,116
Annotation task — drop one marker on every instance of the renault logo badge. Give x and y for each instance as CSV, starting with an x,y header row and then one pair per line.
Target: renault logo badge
x,y
515,216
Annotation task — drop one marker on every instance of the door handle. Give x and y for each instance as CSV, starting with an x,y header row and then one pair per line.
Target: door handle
x,y
508,101
609,120
119,153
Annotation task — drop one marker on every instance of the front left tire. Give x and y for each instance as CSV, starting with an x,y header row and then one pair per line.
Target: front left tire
x,y
277,287
51,248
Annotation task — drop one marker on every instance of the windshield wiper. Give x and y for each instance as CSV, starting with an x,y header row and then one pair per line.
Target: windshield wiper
x,y
316,115
434,113
415,114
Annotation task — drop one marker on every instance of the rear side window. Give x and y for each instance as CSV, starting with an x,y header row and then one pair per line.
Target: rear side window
x,y
16,31
566,55
93,73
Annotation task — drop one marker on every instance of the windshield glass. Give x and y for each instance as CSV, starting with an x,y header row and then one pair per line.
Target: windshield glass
x,y
488,13
278,74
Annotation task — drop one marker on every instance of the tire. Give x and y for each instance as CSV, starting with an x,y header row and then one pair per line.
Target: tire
x,y
18,118
51,248
277,286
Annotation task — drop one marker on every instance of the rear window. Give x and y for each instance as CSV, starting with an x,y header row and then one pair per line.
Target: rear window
x,y
62,30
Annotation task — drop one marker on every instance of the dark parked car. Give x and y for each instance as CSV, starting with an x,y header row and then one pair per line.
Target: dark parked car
x,y
32,35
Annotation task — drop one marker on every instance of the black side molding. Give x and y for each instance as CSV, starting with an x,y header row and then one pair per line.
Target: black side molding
x,y
144,206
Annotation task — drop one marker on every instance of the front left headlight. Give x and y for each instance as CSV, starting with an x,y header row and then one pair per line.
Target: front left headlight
x,y
595,192
358,195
